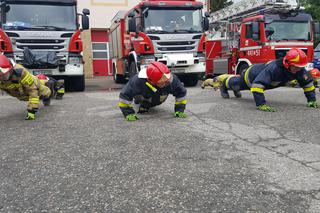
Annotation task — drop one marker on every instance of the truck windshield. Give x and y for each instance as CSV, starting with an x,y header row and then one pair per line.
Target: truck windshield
x,y
41,17
288,31
173,21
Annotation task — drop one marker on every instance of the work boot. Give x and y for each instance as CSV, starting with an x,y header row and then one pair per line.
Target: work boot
x,y
46,101
143,110
237,94
59,96
224,90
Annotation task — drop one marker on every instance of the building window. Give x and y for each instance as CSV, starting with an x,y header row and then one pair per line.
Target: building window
x,y
100,50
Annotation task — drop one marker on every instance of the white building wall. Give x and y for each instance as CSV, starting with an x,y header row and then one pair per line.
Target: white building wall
x,y
102,11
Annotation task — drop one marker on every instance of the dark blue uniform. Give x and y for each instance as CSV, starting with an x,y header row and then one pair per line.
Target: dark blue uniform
x,y
261,77
143,93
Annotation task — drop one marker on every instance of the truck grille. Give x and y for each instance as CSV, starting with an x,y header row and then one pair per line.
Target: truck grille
x,y
41,47
41,44
176,43
40,41
175,46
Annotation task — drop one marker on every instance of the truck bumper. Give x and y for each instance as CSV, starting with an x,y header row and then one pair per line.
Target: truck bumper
x,y
69,70
183,63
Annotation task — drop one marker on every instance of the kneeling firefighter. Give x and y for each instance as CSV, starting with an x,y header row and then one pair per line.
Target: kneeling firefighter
x,y
151,87
260,77
18,82
56,86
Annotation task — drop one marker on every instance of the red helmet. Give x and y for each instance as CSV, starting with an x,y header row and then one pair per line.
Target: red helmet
x,y
295,57
42,77
156,71
315,73
5,64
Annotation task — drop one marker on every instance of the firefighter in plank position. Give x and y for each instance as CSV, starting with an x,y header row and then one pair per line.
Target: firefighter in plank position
x,y
151,87
18,82
261,77
56,86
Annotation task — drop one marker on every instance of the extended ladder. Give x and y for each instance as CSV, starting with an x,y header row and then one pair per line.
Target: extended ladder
x,y
251,7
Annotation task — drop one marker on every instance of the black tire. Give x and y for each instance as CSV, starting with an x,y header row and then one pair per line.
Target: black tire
x,y
75,84
242,68
132,69
190,80
119,79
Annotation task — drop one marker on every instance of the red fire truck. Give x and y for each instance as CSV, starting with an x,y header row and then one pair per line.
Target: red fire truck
x,y
44,36
256,31
169,31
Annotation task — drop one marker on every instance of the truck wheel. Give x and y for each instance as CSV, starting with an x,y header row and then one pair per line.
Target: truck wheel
x,y
190,80
132,69
119,79
75,83
242,68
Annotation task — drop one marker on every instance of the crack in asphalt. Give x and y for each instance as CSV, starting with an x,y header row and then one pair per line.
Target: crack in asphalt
x,y
259,141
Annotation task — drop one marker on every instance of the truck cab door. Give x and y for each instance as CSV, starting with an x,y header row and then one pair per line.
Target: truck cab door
x,y
250,43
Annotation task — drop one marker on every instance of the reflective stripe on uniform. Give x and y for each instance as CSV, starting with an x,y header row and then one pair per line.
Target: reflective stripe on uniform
x,y
125,101
246,77
181,99
309,89
34,100
227,81
184,102
309,85
61,91
14,86
28,79
124,105
151,87
256,89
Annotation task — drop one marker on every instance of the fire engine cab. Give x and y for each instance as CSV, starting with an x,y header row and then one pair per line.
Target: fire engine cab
x,y
169,31
256,31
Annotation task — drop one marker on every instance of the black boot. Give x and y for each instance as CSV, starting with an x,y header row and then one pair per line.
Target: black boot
x,y
46,101
143,110
224,90
237,94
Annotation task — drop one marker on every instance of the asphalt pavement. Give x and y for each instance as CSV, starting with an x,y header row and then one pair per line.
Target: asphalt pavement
x,y
80,155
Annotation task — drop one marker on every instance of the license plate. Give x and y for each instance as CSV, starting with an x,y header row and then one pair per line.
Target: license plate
x,y
178,70
46,72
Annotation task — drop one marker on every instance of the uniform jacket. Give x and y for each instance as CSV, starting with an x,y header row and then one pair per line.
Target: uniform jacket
x,y
140,87
25,87
261,77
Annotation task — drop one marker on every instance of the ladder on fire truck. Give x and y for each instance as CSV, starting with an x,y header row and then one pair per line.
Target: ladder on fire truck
x,y
246,8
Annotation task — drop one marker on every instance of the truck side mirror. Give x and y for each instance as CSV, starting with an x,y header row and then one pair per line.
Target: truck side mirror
x,y
255,36
255,31
269,32
317,27
86,12
255,27
205,24
85,22
132,25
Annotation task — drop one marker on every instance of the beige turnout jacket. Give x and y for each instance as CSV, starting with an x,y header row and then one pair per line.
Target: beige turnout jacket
x,y
25,87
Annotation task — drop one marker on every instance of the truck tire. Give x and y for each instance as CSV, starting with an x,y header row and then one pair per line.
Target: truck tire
x,y
242,68
132,69
119,79
75,83
190,80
